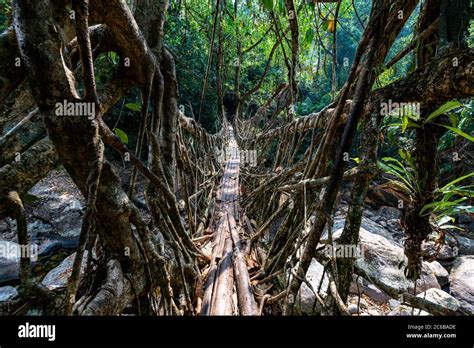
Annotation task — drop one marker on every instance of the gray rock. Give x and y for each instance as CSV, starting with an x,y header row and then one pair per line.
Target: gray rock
x,y
59,206
9,261
429,249
380,263
38,228
381,260
389,213
375,293
8,293
48,246
367,288
58,277
440,272
466,245
433,295
368,213
378,229
393,303
366,224
447,253
462,282
440,297
306,299
352,308
71,233
10,253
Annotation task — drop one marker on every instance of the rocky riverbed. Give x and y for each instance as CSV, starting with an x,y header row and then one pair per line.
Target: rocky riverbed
x,y
447,275
55,210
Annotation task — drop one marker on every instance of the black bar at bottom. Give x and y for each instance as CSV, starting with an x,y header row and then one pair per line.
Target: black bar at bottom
x,y
240,331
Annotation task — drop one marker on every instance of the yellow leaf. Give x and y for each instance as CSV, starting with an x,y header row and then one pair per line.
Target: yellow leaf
x,y
331,25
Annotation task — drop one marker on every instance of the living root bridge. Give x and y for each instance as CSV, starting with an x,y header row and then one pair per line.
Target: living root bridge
x,y
228,267
164,252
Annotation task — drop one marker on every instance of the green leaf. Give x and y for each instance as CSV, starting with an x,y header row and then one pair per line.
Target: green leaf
x,y
438,205
268,4
325,25
404,123
458,132
391,159
443,109
122,135
133,106
30,199
453,118
446,227
396,172
281,6
455,181
413,125
404,154
391,136
309,36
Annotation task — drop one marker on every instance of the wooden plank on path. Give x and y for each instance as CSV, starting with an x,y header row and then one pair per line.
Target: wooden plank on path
x,y
228,266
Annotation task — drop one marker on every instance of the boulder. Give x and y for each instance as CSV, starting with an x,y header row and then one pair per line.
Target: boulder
x,y
370,225
8,293
369,289
375,293
50,245
352,308
440,272
389,213
60,207
394,303
9,261
429,249
462,282
58,277
440,297
466,245
306,300
433,295
381,262
10,253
